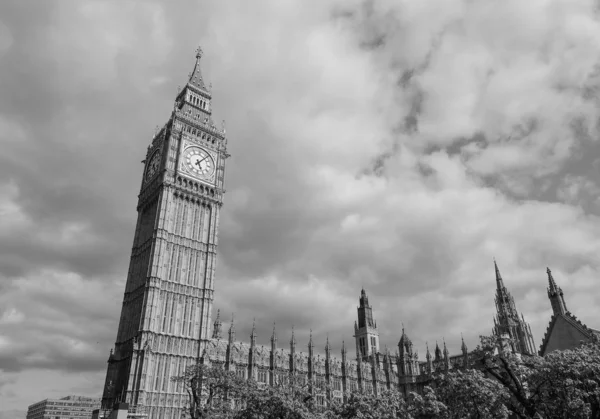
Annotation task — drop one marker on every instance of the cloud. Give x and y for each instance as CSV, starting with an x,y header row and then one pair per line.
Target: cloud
x,y
393,145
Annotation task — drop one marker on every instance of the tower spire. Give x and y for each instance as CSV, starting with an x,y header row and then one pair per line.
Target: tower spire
x,y
196,79
499,282
556,296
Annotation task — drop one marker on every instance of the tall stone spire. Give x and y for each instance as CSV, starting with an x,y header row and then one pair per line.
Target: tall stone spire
x,y
509,323
555,294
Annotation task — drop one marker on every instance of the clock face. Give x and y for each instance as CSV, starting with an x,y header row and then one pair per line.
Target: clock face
x,y
198,162
153,165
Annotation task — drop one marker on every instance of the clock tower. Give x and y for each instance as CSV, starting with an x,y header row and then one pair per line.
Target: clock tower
x,y
165,317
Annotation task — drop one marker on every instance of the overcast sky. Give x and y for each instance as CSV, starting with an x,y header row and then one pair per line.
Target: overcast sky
x,y
397,145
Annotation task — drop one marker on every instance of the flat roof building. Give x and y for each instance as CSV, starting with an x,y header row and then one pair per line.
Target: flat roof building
x,y
70,407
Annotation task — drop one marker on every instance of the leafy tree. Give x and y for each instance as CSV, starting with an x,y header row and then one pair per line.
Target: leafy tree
x,y
567,383
427,406
290,400
389,405
469,394
563,384
212,390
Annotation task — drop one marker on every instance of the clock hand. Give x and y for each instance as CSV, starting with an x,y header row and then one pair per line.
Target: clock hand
x,y
200,161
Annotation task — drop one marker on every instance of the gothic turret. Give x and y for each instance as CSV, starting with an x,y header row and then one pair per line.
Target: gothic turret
x,y
292,352
231,331
438,352
365,331
253,335
429,360
465,352
508,320
217,327
555,294
273,340
446,357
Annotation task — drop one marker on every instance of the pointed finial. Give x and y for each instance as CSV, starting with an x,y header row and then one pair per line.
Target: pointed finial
x,y
199,52
551,282
223,127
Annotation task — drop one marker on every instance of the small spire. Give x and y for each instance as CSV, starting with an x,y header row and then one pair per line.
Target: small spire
x,y
343,347
463,346
273,336
327,342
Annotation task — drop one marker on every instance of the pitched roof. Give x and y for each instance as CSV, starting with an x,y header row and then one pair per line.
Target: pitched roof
x,y
572,321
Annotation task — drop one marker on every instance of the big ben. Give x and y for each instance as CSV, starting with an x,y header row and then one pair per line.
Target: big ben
x,y
167,304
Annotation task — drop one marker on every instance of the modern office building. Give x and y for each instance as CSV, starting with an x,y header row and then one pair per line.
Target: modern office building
x,y
71,407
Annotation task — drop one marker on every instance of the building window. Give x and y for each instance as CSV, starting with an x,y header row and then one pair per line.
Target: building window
x,y
262,376
337,384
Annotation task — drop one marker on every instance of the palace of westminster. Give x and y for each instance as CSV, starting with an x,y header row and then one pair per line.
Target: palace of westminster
x,y
165,323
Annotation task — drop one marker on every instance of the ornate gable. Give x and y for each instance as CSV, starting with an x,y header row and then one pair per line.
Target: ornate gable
x,y
564,332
